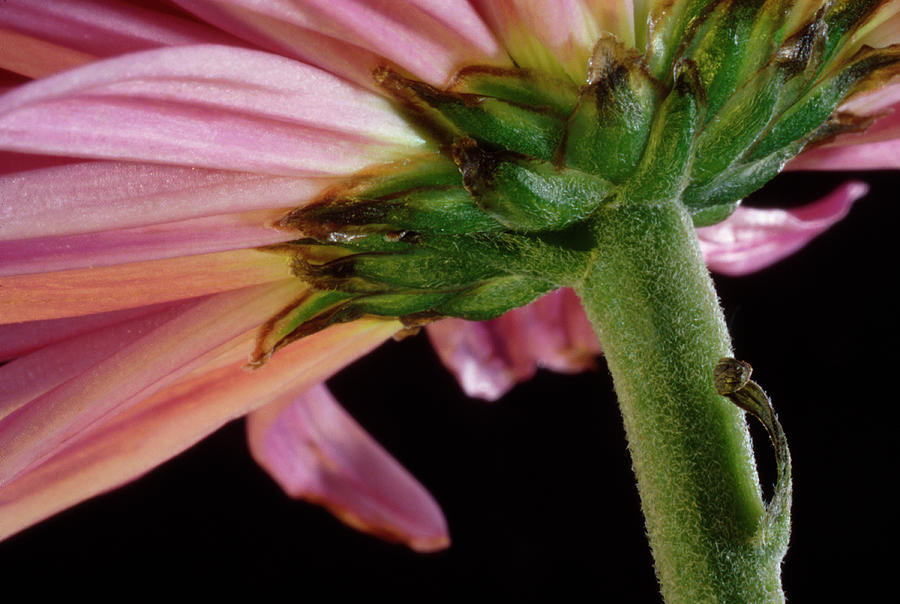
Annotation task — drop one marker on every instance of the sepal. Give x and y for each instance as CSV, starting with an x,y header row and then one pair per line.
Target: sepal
x,y
608,131
495,122
524,194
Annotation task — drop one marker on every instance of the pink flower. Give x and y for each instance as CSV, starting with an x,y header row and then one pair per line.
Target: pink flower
x,y
142,169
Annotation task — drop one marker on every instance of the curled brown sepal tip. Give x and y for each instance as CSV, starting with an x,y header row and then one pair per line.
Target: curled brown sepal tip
x,y
732,380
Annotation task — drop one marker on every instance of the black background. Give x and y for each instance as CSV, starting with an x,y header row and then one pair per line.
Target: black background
x,y
537,487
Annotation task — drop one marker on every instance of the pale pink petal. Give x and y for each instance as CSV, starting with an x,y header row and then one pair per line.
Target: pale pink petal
x,y
488,358
752,239
104,196
615,17
151,359
93,290
556,37
206,106
17,339
316,451
882,30
168,422
106,248
348,37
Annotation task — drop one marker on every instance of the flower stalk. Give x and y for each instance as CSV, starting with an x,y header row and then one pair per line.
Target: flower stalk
x,y
652,302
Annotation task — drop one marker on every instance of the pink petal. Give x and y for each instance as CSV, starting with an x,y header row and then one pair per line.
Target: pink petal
x,y
11,161
874,102
105,196
550,36
31,376
35,58
616,17
131,443
876,148
17,339
208,106
752,239
316,451
174,343
883,29
348,37
93,290
488,358
101,28
883,155
106,248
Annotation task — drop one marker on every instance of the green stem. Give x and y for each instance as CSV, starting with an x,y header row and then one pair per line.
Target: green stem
x,y
652,302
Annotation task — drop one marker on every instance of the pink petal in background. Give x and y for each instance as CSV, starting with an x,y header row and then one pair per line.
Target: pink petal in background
x,y
316,451
490,357
752,239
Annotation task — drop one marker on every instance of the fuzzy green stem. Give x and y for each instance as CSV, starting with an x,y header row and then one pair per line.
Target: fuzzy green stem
x,y
652,302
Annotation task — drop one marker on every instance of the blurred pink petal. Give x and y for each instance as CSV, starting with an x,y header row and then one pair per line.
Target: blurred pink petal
x,y
752,239
75,292
66,34
122,447
489,357
349,37
173,343
102,196
207,106
121,246
316,451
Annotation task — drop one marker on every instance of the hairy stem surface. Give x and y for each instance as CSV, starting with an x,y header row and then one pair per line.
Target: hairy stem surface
x,y
652,302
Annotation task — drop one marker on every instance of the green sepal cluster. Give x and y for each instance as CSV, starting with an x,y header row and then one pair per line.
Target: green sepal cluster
x,y
721,94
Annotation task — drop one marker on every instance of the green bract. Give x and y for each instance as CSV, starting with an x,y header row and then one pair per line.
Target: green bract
x,y
723,94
